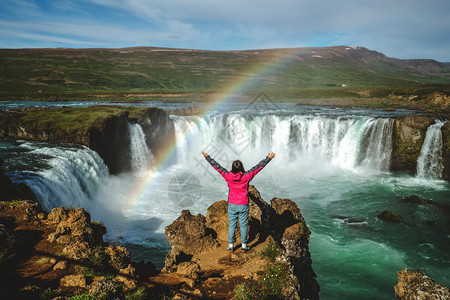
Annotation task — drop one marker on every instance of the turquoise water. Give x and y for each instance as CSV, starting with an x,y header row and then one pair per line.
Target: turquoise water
x,y
326,162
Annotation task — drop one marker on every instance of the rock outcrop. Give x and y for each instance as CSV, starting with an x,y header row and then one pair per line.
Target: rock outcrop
x,y
446,150
104,129
390,216
408,137
415,285
199,245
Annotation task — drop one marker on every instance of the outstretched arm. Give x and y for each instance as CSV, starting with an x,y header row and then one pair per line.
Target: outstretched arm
x,y
215,164
256,169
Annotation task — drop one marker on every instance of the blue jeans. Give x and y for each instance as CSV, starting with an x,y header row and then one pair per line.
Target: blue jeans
x,y
235,212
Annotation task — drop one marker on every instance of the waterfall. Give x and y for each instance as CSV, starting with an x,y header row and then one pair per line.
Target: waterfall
x,y
141,157
359,142
71,178
430,163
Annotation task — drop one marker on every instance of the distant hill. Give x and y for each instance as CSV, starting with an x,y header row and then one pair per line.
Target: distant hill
x,y
149,69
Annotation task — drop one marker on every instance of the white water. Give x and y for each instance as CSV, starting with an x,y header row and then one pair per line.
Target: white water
x,y
71,179
430,163
330,165
359,143
141,157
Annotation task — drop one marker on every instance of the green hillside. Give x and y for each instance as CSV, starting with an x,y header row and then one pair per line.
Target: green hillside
x,y
325,72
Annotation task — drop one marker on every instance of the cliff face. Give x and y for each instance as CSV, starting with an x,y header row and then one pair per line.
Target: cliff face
x,y
101,128
199,244
415,285
446,150
408,137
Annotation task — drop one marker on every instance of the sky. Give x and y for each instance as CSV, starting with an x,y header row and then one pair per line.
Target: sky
x,y
396,28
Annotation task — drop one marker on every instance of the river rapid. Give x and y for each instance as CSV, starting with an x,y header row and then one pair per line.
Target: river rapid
x,y
333,162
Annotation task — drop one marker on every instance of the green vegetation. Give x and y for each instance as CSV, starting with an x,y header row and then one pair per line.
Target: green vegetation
x,y
139,294
270,282
271,251
269,285
50,293
152,73
96,265
84,296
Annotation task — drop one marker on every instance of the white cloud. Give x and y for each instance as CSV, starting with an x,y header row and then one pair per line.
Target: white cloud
x,y
386,26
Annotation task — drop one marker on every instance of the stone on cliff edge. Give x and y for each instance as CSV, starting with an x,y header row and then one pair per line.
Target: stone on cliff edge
x,y
415,285
75,231
190,235
408,137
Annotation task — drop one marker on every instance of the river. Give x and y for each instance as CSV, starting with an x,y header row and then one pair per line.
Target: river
x,y
333,162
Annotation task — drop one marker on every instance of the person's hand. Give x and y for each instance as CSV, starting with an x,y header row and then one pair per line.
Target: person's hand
x,y
204,154
271,155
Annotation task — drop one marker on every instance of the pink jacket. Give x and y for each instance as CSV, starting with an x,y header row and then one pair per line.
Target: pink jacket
x,y
238,183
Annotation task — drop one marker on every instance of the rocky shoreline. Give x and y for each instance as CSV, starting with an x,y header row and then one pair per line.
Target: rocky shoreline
x,y
62,254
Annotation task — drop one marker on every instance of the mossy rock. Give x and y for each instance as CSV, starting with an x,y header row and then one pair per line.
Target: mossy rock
x,y
390,216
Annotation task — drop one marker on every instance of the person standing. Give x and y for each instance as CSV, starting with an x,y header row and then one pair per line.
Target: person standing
x,y
238,181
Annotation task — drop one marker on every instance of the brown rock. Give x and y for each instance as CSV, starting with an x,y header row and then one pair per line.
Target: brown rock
x,y
128,277
73,281
390,216
190,234
119,257
415,285
62,265
408,137
189,269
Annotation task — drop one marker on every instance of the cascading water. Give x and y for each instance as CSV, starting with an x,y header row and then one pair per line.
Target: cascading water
x,y
346,143
430,163
71,176
332,162
141,157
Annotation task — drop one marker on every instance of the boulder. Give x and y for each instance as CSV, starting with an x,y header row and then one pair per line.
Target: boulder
x,y
391,216
190,235
106,289
119,257
415,285
73,281
128,277
408,137
75,231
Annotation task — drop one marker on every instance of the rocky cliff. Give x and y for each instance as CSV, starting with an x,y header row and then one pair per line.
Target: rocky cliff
x,y
199,244
446,150
101,128
415,285
408,137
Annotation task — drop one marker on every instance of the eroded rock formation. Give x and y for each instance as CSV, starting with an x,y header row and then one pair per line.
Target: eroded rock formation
x,y
408,137
415,285
199,244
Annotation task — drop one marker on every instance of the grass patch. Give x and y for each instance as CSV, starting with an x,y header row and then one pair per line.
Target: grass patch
x,y
271,251
84,296
96,265
139,294
269,285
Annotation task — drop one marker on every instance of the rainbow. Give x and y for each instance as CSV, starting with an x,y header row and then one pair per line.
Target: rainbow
x,y
232,92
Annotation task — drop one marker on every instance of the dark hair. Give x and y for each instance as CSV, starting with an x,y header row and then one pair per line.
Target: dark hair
x,y
237,167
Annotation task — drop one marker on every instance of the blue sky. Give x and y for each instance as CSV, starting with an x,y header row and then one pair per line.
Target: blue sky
x,y
397,28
